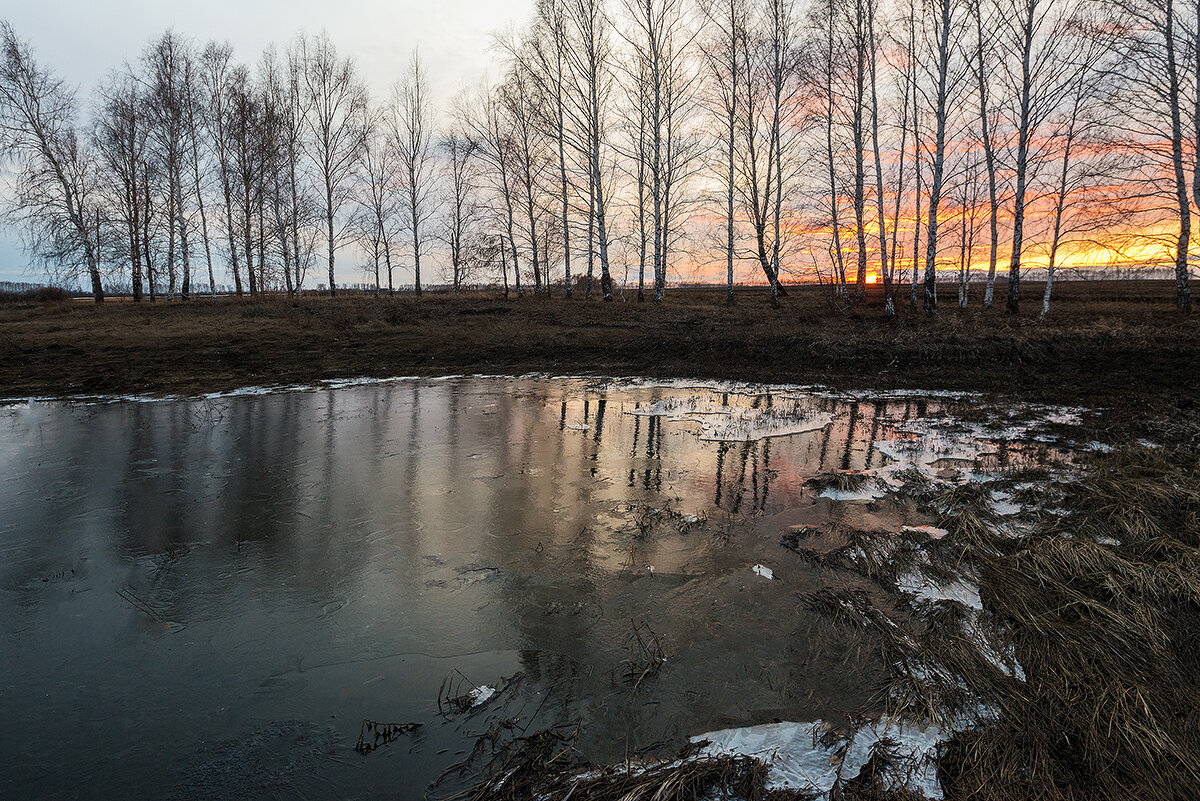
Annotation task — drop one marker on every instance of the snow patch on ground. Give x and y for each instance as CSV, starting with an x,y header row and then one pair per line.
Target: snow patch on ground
x,y
926,589
798,758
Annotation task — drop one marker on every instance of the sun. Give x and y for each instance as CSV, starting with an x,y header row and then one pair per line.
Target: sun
x,y
872,279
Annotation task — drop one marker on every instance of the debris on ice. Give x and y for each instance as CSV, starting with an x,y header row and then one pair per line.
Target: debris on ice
x,y
481,695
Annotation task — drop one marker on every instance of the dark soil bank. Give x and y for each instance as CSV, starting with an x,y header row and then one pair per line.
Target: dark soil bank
x,y
1105,344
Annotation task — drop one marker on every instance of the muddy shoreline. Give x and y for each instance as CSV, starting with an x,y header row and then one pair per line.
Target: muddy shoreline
x,y
1115,346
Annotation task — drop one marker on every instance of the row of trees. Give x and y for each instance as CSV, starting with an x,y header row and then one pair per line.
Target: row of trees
x,y
851,141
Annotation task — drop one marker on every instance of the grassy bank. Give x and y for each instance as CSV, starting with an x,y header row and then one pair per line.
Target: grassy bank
x,y
1102,343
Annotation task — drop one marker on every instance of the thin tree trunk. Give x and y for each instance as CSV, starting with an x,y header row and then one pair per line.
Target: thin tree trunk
x,y
883,250
860,68
185,289
1182,290
212,279
1022,165
835,219
989,153
329,233
939,161
562,167
733,90
591,230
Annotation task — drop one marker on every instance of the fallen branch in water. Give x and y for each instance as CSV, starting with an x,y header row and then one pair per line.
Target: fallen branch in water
x,y
383,734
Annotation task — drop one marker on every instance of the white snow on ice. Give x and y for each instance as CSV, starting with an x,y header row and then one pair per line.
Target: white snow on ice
x,y
480,695
798,761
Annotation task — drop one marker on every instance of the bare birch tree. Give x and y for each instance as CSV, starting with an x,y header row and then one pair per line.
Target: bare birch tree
x,y
55,172
412,137
723,52
335,104
119,136
588,57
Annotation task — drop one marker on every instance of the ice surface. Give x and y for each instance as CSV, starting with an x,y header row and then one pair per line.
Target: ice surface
x,y
868,492
721,423
934,532
926,589
798,760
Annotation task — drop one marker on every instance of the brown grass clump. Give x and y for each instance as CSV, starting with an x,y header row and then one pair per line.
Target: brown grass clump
x,y
882,556
1138,494
544,766
1109,638
1078,680
37,294
841,480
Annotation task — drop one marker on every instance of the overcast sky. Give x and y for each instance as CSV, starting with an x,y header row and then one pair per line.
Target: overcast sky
x,y
84,39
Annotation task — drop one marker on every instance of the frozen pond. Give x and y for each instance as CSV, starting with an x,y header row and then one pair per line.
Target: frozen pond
x,y
205,598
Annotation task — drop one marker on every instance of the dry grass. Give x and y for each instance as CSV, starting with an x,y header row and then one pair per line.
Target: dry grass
x,y
545,766
841,480
1109,636
1100,606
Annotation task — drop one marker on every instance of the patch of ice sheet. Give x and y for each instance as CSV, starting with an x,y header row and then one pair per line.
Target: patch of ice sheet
x,y
750,388
934,532
481,695
926,441
1003,504
922,449
870,395
255,391
1003,656
1064,415
797,759
719,423
751,425
340,383
685,408
578,426
868,492
765,572
699,384
926,589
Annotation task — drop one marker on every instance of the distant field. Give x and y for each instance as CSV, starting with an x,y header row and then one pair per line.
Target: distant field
x,y
1104,343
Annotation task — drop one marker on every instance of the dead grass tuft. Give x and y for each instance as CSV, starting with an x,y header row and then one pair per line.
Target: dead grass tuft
x,y
545,766
1077,682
